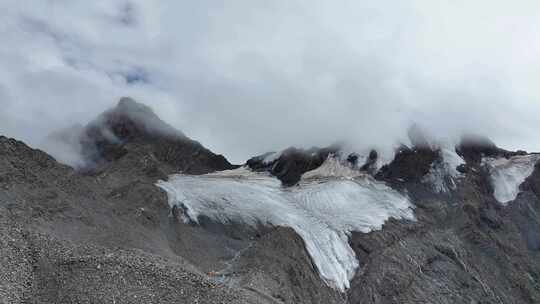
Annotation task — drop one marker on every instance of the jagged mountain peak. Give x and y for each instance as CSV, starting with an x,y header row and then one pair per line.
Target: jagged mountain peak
x,y
361,218
130,120
474,147
426,161
131,128
385,224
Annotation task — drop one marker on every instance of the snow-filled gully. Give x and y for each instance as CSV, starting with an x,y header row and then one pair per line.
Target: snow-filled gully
x,y
508,174
322,210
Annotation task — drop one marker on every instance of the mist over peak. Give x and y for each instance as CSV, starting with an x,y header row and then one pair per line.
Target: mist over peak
x,y
250,78
130,119
286,151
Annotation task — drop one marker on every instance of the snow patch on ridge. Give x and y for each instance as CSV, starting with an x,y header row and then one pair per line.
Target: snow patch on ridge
x,y
443,173
323,211
507,174
271,157
332,167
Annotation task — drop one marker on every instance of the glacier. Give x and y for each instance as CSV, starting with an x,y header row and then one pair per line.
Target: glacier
x,y
324,208
507,174
443,174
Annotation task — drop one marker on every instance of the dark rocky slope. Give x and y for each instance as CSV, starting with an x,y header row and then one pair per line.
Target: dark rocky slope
x,y
134,125
77,239
291,163
465,247
107,235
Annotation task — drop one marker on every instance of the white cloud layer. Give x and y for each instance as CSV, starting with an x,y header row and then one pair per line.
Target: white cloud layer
x,y
244,77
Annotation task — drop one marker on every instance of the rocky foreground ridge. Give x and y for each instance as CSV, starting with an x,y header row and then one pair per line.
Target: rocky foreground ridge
x,y
105,233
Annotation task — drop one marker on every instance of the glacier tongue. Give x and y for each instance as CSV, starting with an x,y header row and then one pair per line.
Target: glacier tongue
x,y
507,174
322,211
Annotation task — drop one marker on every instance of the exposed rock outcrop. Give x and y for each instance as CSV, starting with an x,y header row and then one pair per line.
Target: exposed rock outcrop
x,y
108,234
289,165
131,125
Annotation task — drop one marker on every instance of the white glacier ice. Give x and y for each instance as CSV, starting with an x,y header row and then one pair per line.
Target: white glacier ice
x,y
443,174
507,174
323,211
452,161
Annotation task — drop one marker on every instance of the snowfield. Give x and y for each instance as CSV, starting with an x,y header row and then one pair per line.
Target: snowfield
x,y
507,174
443,174
323,209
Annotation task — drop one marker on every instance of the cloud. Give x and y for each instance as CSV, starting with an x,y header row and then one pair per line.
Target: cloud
x,y
246,77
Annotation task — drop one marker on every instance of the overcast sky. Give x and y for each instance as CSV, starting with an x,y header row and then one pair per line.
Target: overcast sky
x,y
244,77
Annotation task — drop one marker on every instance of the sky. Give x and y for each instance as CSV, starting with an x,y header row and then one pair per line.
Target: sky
x,y
244,77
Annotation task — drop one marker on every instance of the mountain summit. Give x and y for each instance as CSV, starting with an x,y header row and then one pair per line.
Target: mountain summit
x,y
128,121
132,127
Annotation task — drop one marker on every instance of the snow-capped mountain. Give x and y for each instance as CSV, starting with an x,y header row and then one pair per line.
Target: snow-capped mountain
x,y
151,216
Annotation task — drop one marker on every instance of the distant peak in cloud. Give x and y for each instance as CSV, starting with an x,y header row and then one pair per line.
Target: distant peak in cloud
x,y
250,77
131,119
127,121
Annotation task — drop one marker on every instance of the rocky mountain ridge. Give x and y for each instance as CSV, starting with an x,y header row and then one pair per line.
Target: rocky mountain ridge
x,y
108,233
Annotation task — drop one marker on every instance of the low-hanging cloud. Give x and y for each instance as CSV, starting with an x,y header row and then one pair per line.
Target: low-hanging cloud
x,y
245,77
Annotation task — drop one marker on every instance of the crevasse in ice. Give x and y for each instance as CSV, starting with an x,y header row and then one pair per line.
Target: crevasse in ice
x,y
323,209
507,174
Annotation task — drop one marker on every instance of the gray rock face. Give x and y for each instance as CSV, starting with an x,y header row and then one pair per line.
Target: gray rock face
x,y
131,125
291,163
107,235
465,248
